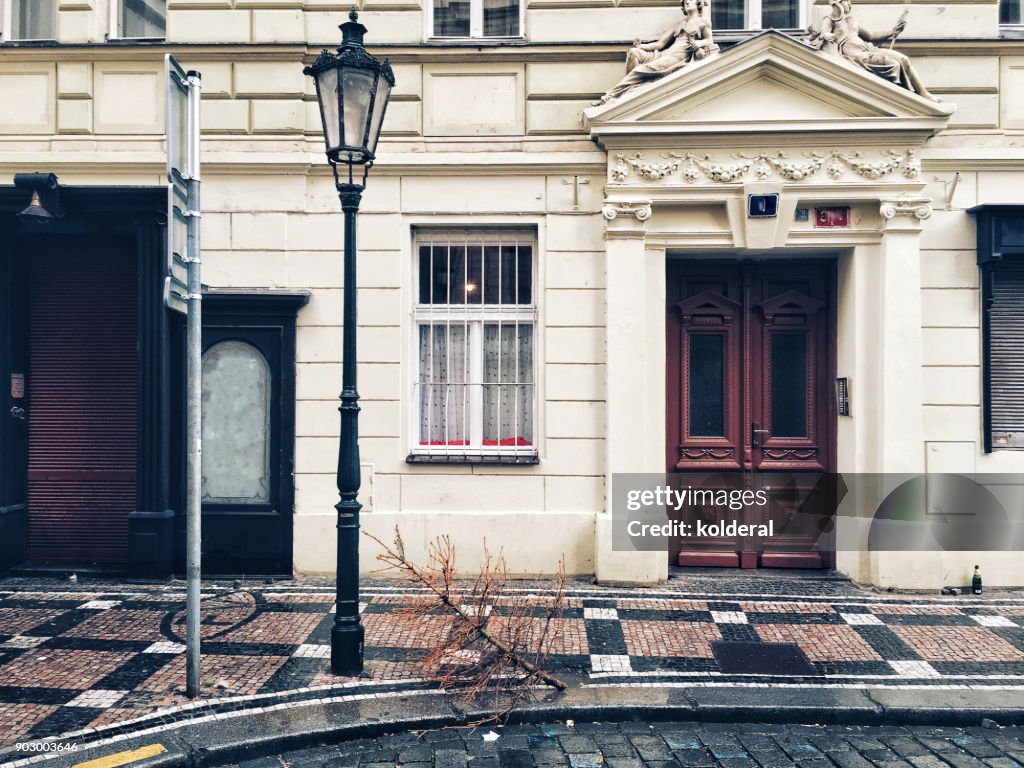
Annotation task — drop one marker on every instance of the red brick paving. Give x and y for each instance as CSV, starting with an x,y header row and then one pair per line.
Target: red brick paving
x,y
59,668
378,669
820,642
564,635
907,610
670,638
660,605
786,607
225,675
538,600
271,627
387,630
326,677
18,621
277,597
944,643
115,715
399,600
17,719
220,616
123,625
238,618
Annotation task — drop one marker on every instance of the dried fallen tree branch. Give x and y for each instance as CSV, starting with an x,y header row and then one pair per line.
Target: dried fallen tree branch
x,y
483,636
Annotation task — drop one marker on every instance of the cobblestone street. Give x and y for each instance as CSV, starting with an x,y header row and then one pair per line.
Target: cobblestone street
x,y
99,659
670,745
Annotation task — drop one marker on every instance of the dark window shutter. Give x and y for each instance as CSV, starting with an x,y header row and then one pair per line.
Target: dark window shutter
x,y
1005,353
82,404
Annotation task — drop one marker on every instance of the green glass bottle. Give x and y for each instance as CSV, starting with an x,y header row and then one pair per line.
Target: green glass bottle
x,y
976,581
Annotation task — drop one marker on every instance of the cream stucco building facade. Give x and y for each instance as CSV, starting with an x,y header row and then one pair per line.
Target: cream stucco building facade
x,y
494,143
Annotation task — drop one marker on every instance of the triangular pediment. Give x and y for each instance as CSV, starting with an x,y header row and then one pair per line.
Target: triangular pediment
x,y
769,84
762,92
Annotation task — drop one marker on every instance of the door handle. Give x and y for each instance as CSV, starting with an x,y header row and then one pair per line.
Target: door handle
x,y
755,434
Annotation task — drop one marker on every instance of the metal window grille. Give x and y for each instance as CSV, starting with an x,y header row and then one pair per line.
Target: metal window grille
x,y
475,334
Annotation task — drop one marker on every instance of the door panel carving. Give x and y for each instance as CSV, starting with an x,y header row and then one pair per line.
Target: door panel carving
x,y
750,363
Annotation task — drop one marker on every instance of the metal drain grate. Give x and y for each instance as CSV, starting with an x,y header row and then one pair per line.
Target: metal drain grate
x,y
762,659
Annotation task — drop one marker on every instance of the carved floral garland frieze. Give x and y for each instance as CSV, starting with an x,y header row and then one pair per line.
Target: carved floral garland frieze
x,y
803,454
763,166
649,171
719,454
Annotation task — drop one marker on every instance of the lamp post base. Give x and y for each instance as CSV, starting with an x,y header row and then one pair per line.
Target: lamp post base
x,y
347,650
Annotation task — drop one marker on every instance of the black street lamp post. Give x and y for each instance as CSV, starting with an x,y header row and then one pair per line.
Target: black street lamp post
x,y
353,89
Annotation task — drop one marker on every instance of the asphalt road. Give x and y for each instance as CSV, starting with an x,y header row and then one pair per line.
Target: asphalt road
x,y
665,745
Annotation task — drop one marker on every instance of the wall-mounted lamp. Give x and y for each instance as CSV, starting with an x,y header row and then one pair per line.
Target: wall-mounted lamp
x,y
44,206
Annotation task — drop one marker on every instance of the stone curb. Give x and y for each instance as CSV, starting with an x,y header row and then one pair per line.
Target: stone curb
x,y
255,733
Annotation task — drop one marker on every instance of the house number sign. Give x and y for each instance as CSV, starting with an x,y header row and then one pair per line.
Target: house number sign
x,y
831,217
17,386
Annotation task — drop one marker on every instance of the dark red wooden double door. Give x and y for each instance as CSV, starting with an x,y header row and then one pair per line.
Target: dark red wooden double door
x,y
750,364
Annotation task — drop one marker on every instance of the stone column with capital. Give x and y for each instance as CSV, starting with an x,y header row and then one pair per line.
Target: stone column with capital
x,y
635,372
901,410
900,413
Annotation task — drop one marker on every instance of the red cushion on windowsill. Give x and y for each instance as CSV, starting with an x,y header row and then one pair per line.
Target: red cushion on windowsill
x,y
508,441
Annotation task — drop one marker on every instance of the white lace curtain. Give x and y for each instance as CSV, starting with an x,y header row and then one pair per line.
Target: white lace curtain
x,y
446,397
508,376
444,376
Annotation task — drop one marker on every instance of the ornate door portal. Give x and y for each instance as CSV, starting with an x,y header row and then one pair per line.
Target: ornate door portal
x,y
750,408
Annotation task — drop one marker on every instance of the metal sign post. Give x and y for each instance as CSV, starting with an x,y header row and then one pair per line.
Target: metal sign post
x,y
178,175
183,255
195,395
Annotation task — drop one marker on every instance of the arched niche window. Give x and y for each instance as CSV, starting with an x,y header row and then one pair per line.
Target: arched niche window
x,y
236,424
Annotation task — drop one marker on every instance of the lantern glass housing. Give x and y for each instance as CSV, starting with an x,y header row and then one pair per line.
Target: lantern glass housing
x,y
353,89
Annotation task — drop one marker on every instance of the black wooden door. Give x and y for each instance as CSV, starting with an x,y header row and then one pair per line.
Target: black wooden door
x,y
15,404
247,493
750,360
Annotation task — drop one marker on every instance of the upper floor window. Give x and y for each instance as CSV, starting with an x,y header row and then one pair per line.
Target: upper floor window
x,y
1009,12
475,337
475,18
757,14
139,18
32,20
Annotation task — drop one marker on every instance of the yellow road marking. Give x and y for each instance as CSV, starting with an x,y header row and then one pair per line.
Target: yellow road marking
x,y
123,758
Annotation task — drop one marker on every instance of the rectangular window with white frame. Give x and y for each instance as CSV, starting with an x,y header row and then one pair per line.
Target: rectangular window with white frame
x,y
1010,13
475,18
30,20
138,19
475,345
758,14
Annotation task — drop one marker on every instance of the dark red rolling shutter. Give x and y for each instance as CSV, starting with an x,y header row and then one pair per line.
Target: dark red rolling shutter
x,y
82,404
